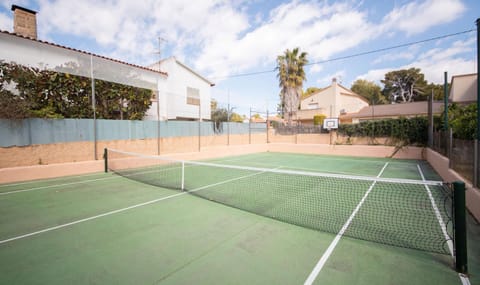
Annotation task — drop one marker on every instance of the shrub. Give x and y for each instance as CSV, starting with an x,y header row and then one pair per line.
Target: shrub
x,y
318,120
409,131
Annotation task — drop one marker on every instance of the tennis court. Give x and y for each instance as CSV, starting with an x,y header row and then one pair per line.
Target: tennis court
x,y
265,218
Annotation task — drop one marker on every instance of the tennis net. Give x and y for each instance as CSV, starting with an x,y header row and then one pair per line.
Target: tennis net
x,y
399,212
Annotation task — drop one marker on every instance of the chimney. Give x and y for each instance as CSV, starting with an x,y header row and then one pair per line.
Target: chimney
x,y
334,80
24,22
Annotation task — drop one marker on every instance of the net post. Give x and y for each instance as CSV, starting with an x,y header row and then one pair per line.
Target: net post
x,y
105,159
460,235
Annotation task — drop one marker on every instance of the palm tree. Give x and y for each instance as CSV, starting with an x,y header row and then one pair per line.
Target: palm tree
x,y
291,76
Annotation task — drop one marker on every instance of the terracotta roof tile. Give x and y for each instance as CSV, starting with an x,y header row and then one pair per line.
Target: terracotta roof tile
x,y
84,52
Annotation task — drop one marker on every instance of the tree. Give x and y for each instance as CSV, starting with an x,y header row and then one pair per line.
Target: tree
x,y
438,92
463,120
310,91
257,116
213,105
291,76
217,114
234,117
50,94
404,85
370,91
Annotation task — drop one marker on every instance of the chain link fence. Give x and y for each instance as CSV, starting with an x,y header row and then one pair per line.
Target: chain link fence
x,y
461,154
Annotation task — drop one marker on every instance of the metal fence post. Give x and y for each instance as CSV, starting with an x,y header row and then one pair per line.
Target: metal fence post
x,y
268,125
250,127
199,127
430,120
450,147
105,158
475,163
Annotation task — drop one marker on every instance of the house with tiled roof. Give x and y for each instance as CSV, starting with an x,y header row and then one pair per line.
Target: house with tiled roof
x,y
179,92
391,111
186,92
331,102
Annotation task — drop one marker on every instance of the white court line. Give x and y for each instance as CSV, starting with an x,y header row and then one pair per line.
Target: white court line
x,y
464,279
48,179
318,267
70,183
123,209
78,182
57,185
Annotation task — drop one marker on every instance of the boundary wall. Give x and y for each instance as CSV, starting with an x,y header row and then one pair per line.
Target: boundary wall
x,y
441,165
54,164
54,156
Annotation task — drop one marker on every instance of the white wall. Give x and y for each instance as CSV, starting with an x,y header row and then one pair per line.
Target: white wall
x,y
173,94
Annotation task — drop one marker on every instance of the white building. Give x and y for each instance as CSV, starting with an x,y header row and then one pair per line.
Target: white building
x,y
331,101
184,95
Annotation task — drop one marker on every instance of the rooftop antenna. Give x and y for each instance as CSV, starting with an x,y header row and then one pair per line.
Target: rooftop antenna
x,y
159,52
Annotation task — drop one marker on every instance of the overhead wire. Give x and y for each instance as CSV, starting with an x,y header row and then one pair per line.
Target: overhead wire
x,y
355,54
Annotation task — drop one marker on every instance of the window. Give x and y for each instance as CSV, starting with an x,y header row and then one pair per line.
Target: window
x,y
312,106
193,96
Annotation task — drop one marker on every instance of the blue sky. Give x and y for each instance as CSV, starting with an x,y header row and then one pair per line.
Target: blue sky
x,y
220,39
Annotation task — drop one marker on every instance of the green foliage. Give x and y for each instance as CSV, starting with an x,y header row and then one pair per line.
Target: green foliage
x,y
291,76
405,85
438,92
310,91
370,91
13,107
409,131
50,94
234,117
219,115
213,104
256,116
318,120
463,121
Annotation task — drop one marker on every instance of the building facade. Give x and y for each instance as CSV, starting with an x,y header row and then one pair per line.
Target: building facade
x,y
330,102
184,95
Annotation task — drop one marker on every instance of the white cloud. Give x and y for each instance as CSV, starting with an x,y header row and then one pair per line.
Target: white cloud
x,y
322,30
315,68
129,29
407,54
435,62
339,75
376,75
218,38
6,23
417,17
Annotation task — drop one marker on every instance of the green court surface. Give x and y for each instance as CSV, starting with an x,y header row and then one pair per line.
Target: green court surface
x,y
268,228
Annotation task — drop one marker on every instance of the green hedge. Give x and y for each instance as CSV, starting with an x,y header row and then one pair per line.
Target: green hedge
x,y
413,131
318,120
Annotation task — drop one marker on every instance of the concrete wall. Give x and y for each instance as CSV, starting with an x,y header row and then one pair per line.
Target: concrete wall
x,y
75,158
440,164
63,159
42,154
